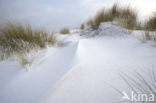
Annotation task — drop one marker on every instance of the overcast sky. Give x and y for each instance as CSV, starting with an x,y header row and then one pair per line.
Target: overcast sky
x,y
55,14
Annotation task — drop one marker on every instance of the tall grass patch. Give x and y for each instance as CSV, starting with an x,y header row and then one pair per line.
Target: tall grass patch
x,y
124,16
151,23
18,39
103,15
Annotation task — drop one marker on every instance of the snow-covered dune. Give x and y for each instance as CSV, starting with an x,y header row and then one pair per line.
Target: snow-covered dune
x,y
99,61
19,86
78,72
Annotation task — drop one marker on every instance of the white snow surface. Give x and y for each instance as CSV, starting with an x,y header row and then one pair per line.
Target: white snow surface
x,y
78,71
109,29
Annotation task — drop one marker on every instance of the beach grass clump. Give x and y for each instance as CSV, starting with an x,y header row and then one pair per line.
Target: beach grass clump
x,y
65,30
18,39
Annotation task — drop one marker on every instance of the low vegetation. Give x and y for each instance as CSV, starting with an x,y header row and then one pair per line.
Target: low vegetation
x,y
65,31
90,24
102,16
82,27
17,39
151,23
125,17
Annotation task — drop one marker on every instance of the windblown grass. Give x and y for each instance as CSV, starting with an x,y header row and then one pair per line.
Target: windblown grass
x,y
19,40
90,24
127,18
124,16
64,31
14,32
151,23
102,16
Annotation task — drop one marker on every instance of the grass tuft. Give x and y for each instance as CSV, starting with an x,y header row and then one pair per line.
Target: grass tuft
x,y
102,16
64,31
82,27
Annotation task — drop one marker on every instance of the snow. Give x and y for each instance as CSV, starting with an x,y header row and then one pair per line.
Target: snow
x,y
99,61
109,29
19,86
79,71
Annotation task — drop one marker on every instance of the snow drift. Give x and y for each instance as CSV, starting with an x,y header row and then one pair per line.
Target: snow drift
x,y
79,72
106,29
